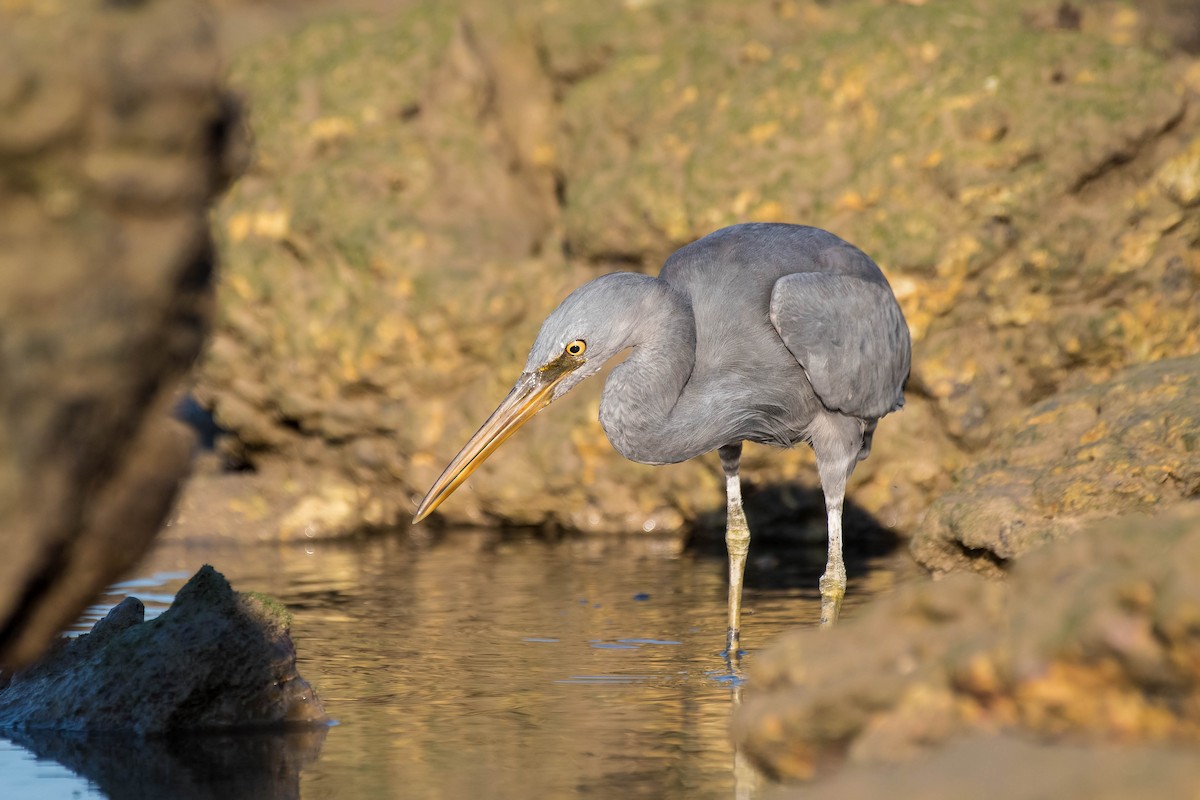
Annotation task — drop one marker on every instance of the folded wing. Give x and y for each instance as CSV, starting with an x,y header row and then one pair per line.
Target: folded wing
x,y
849,335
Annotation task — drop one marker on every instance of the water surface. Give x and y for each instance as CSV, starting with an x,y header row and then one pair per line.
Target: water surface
x,y
480,665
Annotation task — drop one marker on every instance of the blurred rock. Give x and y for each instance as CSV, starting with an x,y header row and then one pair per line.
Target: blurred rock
x,y
1128,444
1094,638
215,660
434,181
115,135
1009,768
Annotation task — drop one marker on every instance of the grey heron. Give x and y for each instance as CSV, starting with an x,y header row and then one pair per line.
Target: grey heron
x,y
762,332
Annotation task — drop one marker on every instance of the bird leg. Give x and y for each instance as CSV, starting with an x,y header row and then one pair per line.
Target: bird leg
x,y
737,542
834,474
833,582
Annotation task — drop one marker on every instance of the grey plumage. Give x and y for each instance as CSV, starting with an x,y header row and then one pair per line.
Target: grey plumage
x,y
762,332
747,334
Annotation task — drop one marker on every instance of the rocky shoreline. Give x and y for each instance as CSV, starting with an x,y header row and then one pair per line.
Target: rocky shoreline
x,y
431,178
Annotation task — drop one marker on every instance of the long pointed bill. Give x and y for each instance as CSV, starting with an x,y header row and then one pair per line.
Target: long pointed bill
x,y
527,398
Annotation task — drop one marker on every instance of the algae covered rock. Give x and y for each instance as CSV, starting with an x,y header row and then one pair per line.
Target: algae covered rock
x,y
1128,444
1094,638
115,136
215,660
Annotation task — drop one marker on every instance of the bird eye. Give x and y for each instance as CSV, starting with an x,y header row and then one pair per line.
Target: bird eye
x,y
576,348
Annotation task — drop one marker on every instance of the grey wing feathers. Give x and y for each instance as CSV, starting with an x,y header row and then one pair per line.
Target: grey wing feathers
x,y
849,335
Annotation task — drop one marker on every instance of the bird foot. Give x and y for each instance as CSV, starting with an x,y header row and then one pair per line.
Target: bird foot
x,y
733,654
833,591
733,644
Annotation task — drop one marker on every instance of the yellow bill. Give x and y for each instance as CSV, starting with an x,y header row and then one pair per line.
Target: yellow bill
x,y
526,399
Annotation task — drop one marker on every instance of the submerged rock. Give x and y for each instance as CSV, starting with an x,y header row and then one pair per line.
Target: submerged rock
x,y
1095,638
215,660
202,766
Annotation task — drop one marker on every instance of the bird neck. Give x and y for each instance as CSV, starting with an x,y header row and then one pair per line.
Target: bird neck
x,y
641,392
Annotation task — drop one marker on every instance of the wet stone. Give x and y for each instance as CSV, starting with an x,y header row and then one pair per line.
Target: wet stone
x,y
215,660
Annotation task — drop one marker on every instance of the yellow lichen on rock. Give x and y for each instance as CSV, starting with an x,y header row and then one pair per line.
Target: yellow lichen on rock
x,y
1087,641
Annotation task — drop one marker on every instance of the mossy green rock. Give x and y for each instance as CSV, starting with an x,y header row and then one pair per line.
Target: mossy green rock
x,y
215,660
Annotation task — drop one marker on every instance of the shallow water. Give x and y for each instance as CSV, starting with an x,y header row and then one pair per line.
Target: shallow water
x,y
482,665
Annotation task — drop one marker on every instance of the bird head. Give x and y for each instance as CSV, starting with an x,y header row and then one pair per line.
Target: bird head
x,y
593,324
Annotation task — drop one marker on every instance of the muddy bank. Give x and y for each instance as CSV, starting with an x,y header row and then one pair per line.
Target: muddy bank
x,y
1128,444
1092,639
1010,768
432,180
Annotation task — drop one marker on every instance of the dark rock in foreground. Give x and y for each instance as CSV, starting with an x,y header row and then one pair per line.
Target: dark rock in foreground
x,y
1096,638
215,660
115,135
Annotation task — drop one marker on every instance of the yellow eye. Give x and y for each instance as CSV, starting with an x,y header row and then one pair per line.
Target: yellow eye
x,y
576,348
